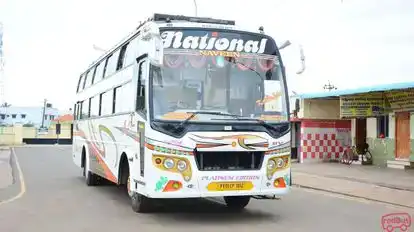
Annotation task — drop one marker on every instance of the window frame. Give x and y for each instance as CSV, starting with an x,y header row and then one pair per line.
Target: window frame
x,y
383,123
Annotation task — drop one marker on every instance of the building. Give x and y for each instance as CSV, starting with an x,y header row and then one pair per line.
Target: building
x,y
381,116
28,115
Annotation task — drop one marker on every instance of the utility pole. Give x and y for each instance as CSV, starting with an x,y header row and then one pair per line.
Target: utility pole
x,y
329,86
44,112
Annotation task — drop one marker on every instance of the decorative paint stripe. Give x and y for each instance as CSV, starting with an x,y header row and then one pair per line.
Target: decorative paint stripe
x,y
283,145
210,145
151,140
95,152
129,133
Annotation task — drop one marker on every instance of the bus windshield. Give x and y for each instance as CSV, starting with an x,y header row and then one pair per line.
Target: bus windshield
x,y
228,82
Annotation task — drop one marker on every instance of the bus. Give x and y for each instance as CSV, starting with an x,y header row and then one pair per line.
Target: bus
x,y
186,107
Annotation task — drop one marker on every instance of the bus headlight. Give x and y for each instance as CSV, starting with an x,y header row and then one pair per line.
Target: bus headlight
x,y
271,164
280,163
168,163
275,164
181,165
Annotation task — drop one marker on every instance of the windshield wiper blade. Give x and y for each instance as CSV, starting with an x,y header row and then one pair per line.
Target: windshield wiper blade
x,y
251,69
261,122
203,112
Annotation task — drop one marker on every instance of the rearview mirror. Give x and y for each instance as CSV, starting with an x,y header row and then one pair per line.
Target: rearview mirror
x,y
156,51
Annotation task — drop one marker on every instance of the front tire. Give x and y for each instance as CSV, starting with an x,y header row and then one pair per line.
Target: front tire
x,y
140,203
237,203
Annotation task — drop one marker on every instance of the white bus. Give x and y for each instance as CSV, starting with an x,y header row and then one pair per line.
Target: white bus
x,y
186,107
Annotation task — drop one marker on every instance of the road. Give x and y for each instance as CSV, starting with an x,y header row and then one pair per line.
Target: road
x,y
55,198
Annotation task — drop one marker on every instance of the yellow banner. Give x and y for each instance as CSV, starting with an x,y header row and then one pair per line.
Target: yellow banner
x,y
363,105
400,99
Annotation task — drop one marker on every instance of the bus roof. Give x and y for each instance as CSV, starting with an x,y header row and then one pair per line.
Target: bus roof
x,y
173,21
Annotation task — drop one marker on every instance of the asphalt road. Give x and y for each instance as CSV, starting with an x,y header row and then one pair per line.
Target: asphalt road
x,y
55,198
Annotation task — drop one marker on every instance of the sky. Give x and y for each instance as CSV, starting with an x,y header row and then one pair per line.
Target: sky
x,y
351,43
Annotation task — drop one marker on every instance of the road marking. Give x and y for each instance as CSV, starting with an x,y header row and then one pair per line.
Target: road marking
x,y
21,179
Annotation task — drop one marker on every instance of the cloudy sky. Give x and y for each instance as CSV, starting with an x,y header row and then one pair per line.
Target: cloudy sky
x,y
48,43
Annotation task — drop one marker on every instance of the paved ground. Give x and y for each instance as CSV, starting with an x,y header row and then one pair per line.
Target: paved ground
x,y
380,176
368,182
56,199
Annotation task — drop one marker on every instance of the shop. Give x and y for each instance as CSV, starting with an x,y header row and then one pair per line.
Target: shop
x,y
380,116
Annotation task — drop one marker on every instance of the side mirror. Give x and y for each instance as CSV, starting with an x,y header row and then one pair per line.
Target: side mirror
x,y
302,59
151,33
156,51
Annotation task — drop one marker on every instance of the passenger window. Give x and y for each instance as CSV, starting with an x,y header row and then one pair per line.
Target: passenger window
x,y
79,111
123,101
92,77
106,103
85,80
85,109
106,66
120,64
95,106
79,83
142,72
88,79
99,71
114,96
131,52
112,62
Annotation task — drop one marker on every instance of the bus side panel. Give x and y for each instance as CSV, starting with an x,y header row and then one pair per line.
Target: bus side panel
x,y
77,145
111,137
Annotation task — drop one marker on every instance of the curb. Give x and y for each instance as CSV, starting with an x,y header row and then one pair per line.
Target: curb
x,y
408,189
8,164
350,195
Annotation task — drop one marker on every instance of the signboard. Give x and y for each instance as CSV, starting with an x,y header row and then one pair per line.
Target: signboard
x,y
218,43
363,105
400,99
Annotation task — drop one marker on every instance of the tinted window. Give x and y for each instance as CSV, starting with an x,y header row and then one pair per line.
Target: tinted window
x,y
85,80
140,101
106,66
88,78
120,63
92,76
106,103
95,106
79,82
85,109
79,111
99,72
112,62
131,52
124,101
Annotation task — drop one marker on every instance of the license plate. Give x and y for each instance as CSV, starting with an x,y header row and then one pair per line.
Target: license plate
x,y
229,186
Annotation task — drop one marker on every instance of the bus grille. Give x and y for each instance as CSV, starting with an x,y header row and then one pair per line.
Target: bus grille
x,y
227,161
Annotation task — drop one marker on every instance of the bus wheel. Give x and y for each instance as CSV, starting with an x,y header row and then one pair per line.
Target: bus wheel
x,y
140,203
237,202
91,178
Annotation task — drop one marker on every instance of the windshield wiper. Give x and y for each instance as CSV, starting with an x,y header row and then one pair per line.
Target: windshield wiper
x,y
261,122
203,112
251,69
